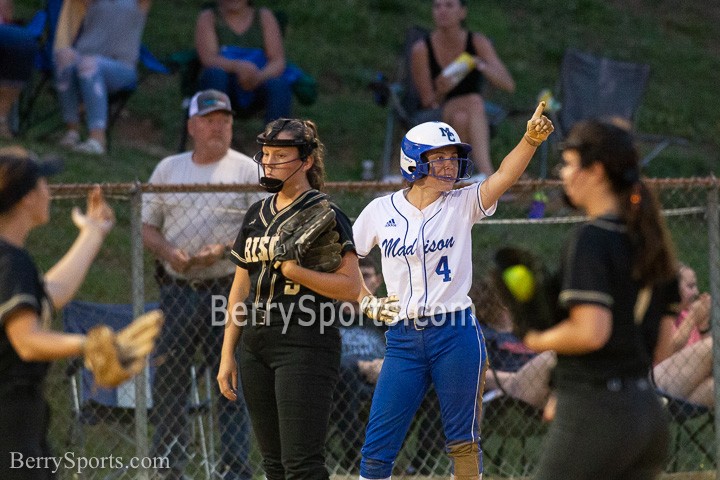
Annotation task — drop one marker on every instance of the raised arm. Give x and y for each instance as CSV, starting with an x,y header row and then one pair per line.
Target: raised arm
x,y
63,280
539,127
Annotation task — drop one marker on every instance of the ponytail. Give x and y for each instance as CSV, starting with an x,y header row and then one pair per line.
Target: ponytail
x,y
612,145
653,252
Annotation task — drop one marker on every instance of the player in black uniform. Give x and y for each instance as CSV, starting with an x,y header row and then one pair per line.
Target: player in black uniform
x,y
27,301
620,290
289,357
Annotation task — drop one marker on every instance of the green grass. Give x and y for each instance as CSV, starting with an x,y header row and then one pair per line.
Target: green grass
x,y
343,44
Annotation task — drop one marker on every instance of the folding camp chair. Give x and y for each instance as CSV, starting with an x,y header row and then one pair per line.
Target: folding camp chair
x,y
43,26
403,102
693,431
114,409
591,86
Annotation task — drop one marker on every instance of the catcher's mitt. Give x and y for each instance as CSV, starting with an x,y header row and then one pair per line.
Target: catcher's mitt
x,y
528,291
298,234
325,254
114,358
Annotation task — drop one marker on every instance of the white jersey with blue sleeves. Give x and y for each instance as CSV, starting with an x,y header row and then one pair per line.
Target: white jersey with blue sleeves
x,y
426,255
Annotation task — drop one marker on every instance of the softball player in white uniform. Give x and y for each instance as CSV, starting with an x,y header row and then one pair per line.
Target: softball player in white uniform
x,y
423,233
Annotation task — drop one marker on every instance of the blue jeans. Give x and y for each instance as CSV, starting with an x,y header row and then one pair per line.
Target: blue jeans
x,y
89,79
187,332
275,95
17,55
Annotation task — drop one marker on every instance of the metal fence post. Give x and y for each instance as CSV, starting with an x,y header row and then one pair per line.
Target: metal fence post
x,y
714,258
138,300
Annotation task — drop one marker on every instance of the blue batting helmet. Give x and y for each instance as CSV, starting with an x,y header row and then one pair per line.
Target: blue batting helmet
x,y
429,136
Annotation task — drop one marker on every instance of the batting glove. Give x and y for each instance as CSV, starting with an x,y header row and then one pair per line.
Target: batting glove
x,y
539,127
385,309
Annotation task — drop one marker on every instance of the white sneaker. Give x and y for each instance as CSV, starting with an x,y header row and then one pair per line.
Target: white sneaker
x,y
90,146
70,139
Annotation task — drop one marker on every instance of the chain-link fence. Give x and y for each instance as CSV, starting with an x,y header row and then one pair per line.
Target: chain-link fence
x,y
100,434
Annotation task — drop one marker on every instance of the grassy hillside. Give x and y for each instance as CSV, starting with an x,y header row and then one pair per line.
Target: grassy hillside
x,y
343,43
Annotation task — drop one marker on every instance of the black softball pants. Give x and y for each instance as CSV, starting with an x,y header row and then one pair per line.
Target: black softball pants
x,y
288,380
24,420
613,435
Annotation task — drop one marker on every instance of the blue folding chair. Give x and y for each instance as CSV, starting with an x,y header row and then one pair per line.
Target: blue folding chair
x,y
114,409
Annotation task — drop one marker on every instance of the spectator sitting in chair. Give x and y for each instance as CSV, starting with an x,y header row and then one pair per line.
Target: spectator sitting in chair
x,y
461,103
17,54
99,60
241,51
687,373
514,368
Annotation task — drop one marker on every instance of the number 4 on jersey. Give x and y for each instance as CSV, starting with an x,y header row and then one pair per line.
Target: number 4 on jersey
x,y
443,269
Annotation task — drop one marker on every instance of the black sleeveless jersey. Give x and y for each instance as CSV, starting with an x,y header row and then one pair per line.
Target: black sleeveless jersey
x,y
254,248
473,81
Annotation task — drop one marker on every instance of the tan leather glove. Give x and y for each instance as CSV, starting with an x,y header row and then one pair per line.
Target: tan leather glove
x,y
114,358
539,127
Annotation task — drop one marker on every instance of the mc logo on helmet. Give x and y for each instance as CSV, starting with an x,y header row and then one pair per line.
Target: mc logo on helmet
x,y
447,132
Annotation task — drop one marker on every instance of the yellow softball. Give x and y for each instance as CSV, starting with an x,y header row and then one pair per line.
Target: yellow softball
x,y
520,281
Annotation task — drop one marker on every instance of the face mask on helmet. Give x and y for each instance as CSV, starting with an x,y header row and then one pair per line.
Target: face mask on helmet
x,y
305,149
429,136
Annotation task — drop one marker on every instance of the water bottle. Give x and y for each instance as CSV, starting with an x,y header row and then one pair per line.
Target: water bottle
x,y
459,68
537,206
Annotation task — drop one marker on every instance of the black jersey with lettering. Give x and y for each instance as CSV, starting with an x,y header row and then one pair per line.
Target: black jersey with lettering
x,y
597,269
254,247
20,287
